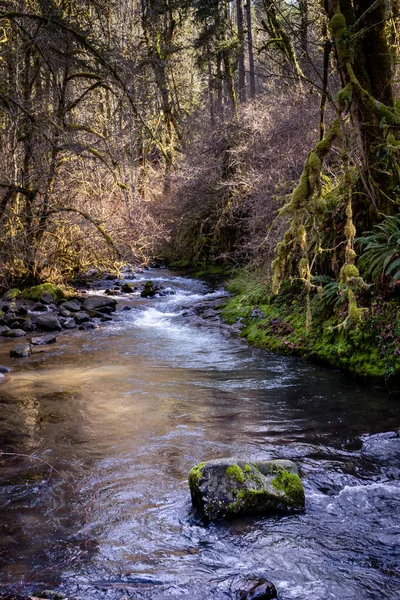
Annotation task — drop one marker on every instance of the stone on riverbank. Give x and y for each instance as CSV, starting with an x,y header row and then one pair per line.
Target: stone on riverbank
x,y
21,350
225,488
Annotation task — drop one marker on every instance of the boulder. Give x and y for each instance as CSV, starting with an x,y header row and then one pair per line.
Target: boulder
x,y
4,329
21,350
97,302
225,488
45,339
48,323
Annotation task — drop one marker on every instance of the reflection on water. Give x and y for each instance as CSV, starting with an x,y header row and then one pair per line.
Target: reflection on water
x,y
108,423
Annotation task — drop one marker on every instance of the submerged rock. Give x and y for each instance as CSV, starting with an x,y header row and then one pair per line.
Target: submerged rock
x,y
21,350
4,369
248,587
45,339
229,487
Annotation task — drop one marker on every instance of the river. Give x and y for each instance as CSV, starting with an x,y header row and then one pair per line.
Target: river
x,y
109,422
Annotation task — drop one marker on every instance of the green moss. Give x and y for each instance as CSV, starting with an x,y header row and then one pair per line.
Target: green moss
x,y
337,22
236,472
36,292
195,475
347,272
291,485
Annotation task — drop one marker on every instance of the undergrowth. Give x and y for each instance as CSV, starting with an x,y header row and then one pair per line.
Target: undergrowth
x,y
370,348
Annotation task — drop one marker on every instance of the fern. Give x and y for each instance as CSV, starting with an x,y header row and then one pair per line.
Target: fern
x,y
381,251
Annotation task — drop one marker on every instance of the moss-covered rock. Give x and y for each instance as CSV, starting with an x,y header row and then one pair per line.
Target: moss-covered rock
x,y
12,294
229,487
36,292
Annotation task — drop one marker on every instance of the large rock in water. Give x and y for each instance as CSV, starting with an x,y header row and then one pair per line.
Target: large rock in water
x,y
229,487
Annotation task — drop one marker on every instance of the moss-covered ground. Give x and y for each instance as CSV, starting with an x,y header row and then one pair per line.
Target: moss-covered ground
x,y
370,348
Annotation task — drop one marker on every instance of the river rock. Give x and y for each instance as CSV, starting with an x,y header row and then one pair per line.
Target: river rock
x,y
40,308
17,323
225,488
81,317
87,326
28,326
150,289
97,302
14,333
46,298
128,288
4,329
42,340
72,306
21,350
63,312
126,308
48,323
4,369
249,587
69,324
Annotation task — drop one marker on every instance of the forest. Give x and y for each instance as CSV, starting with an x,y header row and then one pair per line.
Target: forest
x,y
258,139
199,299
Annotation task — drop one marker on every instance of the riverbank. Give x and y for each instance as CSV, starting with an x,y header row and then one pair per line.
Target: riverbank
x,y
369,349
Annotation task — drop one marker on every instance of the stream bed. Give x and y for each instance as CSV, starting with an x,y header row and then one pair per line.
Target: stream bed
x,y
103,428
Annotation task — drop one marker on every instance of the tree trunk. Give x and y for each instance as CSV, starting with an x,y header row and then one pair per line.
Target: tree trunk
x,y
252,73
241,67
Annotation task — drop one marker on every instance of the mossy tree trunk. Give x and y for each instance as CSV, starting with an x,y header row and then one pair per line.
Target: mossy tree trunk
x,y
359,33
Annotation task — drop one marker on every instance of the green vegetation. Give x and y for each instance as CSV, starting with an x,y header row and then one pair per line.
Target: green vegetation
x,y
368,348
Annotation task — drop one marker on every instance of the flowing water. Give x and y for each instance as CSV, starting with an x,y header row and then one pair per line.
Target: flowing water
x,y
107,424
